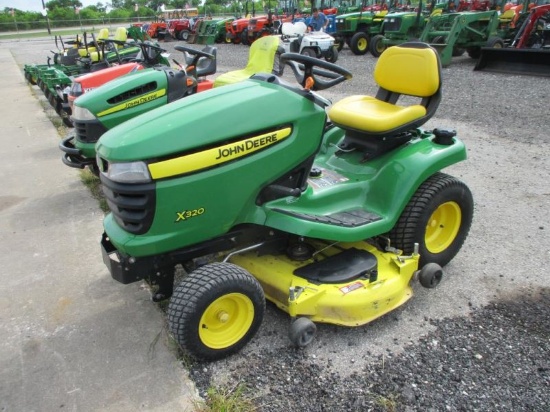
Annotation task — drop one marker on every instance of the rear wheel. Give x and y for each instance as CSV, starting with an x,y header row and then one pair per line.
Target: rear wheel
x,y
438,218
359,43
377,46
244,37
184,35
216,310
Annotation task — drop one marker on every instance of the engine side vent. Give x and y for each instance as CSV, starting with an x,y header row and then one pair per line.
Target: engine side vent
x,y
135,92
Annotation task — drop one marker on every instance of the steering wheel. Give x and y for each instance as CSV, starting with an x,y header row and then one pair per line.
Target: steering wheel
x,y
146,58
196,55
306,68
193,52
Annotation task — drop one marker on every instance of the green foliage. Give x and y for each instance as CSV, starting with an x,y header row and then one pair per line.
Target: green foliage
x,y
227,400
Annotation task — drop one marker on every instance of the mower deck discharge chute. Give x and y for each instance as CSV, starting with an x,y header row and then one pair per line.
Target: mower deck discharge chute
x,y
330,217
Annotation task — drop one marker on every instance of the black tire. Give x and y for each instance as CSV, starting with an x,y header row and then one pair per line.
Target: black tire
x,y
430,275
458,51
332,55
301,332
359,43
495,43
438,217
377,46
339,42
184,35
94,168
244,37
205,296
308,51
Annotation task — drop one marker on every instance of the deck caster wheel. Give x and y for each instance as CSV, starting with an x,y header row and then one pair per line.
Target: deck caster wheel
x,y
302,331
430,275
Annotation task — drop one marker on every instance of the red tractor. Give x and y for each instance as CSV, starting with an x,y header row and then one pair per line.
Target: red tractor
x,y
182,29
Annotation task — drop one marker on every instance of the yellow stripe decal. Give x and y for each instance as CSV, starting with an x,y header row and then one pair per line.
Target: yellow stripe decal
x,y
218,155
135,102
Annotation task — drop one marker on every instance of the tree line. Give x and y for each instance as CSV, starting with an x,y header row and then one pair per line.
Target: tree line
x,y
70,13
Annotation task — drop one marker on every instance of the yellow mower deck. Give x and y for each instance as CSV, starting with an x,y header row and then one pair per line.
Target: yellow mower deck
x,y
351,303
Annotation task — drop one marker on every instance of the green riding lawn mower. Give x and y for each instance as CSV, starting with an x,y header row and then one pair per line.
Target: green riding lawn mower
x,y
54,79
121,99
328,211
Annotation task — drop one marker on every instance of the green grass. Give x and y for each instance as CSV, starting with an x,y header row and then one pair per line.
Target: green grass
x,y
226,400
93,184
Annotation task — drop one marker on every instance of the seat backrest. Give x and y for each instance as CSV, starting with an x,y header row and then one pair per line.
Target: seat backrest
x,y
301,27
207,66
411,69
103,34
121,34
288,29
507,15
262,55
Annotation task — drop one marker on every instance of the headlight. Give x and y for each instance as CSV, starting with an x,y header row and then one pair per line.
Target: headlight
x,y
80,113
133,172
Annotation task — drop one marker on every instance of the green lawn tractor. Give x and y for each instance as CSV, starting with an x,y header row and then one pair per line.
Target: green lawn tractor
x,y
329,212
120,99
403,26
356,29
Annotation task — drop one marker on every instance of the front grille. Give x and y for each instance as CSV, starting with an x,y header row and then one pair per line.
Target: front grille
x,y
392,25
88,131
132,205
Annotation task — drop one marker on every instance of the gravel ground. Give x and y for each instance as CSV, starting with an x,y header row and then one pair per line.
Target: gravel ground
x,y
480,341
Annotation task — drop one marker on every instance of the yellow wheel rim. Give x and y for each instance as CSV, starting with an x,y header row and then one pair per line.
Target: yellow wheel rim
x,y
226,321
362,44
443,226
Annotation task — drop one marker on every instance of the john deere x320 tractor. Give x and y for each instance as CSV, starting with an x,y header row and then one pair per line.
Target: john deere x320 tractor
x,y
259,194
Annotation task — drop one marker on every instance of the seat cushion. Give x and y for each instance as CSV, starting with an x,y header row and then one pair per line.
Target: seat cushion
x,y
235,76
367,114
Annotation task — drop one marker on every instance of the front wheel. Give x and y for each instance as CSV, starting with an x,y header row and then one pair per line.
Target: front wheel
x,y
377,46
331,55
359,43
216,310
308,51
495,43
438,217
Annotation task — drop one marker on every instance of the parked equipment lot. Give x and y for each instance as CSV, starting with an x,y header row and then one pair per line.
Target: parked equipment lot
x,y
504,123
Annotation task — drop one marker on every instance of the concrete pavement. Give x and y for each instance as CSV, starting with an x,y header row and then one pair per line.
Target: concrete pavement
x,y
72,338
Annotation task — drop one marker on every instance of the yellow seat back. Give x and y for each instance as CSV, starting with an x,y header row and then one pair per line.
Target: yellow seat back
x,y
260,60
408,70
103,34
121,34
412,69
